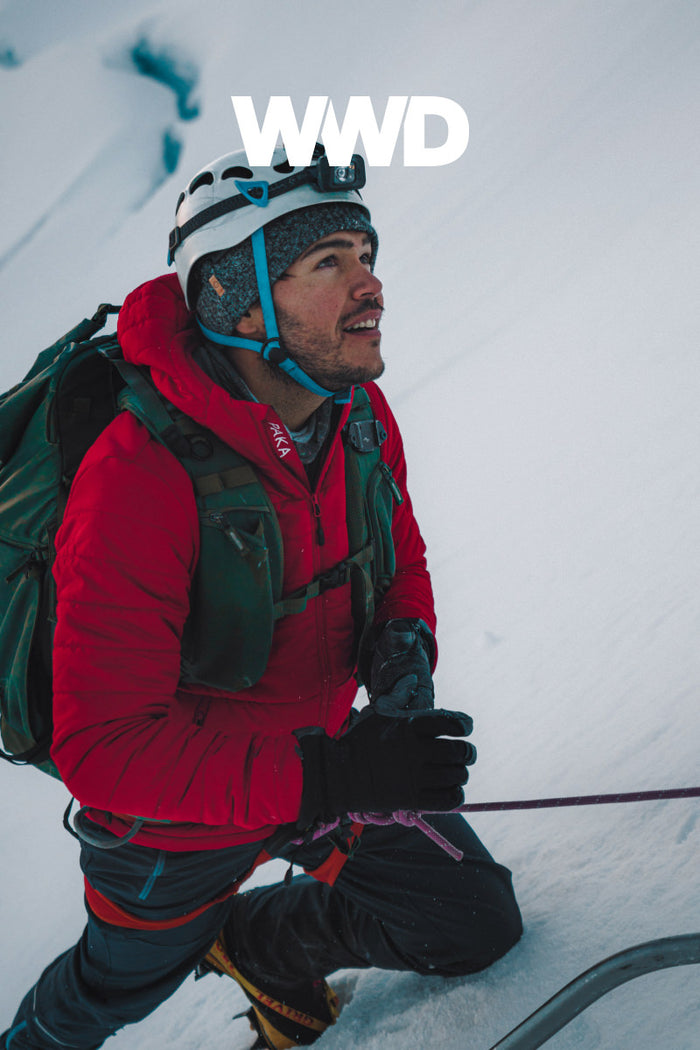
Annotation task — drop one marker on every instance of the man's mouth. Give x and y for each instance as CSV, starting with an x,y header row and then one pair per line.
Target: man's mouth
x,y
370,323
367,321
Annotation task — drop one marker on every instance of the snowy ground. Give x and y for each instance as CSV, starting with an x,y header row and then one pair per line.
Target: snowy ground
x,y
541,343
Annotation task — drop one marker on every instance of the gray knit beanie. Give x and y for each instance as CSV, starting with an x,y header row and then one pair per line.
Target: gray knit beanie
x,y
224,285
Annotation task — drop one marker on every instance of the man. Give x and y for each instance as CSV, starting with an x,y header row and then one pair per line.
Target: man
x,y
268,342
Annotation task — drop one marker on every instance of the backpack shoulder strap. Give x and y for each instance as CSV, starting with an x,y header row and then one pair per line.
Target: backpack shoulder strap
x,y
238,580
371,493
370,487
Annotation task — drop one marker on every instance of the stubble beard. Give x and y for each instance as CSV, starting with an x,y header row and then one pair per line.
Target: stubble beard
x,y
319,359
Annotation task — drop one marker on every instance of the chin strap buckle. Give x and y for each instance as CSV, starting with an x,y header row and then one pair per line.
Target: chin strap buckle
x,y
272,351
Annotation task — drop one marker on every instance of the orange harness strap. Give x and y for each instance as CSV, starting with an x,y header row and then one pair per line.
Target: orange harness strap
x,y
115,915
106,910
333,864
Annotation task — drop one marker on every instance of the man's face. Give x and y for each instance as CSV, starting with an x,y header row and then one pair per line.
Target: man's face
x,y
328,305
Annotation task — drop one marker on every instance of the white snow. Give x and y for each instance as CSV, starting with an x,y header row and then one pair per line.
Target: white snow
x,y
542,358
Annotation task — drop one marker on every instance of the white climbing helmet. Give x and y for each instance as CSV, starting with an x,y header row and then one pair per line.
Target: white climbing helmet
x,y
229,200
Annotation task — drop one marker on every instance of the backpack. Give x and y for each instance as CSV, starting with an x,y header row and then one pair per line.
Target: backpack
x,y
50,419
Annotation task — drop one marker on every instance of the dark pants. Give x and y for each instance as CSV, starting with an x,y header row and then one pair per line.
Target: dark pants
x,y
399,903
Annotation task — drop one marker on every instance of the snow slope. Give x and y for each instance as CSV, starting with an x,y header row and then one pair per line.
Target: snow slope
x,y
541,346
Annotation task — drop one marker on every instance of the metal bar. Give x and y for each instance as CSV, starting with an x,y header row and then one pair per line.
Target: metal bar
x,y
596,982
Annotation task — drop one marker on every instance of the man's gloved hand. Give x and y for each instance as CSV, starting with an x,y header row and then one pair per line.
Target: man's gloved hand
x,y
400,676
384,763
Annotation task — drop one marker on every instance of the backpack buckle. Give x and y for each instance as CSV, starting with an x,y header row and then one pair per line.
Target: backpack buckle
x,y
338,576
365,435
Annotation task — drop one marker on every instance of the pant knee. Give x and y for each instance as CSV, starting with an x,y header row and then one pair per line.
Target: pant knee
x,y
483,936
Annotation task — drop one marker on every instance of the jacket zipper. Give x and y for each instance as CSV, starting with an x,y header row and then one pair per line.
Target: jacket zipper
x,y
321,633
316,511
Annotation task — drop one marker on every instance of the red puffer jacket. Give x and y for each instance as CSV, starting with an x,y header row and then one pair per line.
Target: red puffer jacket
x,y
128,738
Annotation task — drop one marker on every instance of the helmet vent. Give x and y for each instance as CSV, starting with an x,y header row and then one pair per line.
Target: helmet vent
x,y
205,179
237,173
284,167
179,202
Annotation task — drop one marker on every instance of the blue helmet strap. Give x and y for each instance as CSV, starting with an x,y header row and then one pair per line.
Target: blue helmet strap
x,y
265,289
272,350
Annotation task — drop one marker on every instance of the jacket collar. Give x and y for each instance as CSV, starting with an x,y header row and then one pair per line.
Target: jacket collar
x,y
156,330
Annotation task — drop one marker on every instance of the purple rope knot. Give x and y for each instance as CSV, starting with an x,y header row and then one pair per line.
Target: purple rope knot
x,y
380,819
409,819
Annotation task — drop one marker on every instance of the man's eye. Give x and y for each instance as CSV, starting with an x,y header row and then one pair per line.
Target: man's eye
x,y
366,258
328,260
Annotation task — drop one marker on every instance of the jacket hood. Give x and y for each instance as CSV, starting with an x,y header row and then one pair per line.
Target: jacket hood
x,y
156,329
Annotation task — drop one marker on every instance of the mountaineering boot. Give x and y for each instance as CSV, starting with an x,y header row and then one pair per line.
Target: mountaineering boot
x,y
283,1018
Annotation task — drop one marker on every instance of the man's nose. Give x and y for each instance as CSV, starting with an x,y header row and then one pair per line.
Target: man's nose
x,y
367,285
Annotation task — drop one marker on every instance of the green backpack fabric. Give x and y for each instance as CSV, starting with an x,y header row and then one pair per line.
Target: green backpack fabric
x,y
47,423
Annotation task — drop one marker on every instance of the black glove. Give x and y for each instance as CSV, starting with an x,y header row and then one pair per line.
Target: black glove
x,y
404,649
384,763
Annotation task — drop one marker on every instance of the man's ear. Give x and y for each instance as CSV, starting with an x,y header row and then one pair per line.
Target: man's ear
x,y
251,324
